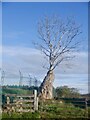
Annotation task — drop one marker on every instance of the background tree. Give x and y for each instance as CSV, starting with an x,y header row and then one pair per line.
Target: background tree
x,y
65,91
58,41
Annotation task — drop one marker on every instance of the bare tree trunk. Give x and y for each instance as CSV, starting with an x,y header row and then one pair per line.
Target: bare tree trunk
x,y
46,88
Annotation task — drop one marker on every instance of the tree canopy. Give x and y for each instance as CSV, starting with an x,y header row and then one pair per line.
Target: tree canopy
x,y
65,91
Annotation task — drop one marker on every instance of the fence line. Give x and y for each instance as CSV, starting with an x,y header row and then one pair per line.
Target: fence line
x,y
80,102
22,103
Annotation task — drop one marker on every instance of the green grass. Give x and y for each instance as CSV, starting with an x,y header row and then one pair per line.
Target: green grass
x,y
52,109
23,115
55,109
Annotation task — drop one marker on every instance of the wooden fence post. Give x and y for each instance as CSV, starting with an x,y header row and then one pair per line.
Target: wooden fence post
x,y
86,103
8,100
35,101
37,104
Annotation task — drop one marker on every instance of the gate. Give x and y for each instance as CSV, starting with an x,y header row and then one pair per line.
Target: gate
x,y
22,103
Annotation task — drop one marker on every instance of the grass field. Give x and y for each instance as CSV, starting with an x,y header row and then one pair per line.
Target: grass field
x,y
47,109
17,91
52,109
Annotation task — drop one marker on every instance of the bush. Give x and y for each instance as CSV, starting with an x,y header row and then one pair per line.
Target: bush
x,y
65,91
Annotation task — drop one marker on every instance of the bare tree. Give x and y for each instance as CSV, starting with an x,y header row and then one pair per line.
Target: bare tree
x,y
58,41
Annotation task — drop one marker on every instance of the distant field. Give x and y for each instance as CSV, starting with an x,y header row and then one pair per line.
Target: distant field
x,y
17,91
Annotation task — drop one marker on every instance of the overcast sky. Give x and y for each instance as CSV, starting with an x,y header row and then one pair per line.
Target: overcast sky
x,y
20,29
